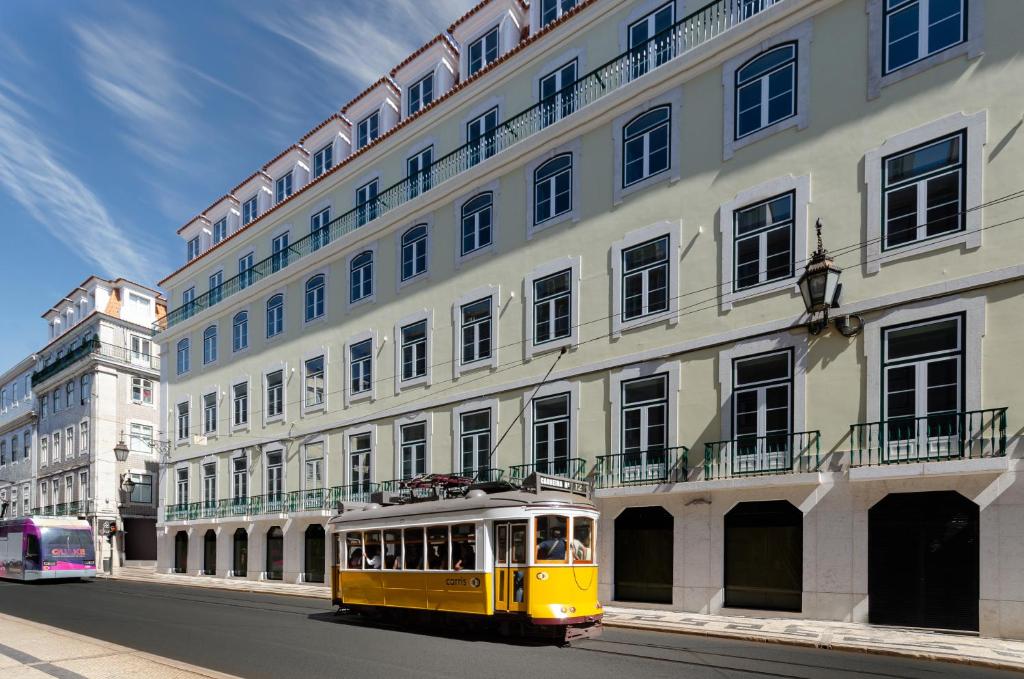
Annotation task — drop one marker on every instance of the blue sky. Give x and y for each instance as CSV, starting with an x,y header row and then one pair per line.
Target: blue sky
x,y
120,121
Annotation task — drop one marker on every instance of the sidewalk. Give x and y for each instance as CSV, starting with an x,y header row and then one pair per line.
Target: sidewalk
x,y
29,650
858,637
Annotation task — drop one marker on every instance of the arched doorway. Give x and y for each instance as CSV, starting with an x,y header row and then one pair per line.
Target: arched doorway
x,y
315,549
180,552
275,554
923,558
240,552
643,555
210,553
764,561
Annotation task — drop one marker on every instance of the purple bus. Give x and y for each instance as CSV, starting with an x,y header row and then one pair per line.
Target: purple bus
x,y
40,548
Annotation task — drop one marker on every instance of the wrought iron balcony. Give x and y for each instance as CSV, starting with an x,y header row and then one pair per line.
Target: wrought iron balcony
x,y
75,508
642,467
570,467
758,455
690,32
932,438
94,347
314,499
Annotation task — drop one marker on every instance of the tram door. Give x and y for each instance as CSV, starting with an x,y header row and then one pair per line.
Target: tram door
x,y
510,566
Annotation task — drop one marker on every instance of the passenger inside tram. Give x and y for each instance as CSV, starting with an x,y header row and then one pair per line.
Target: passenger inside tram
x,y
551,531
414,549
372,550
437,548
582,540
464,547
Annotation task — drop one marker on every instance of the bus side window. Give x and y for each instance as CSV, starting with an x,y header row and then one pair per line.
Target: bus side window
x,y
437,548
393,549
413,549
464,547
552,532
582,545
32,551
354,550
372,549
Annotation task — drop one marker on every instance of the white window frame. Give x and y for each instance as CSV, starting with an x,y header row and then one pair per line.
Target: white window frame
x,y
141,357
801,35
973,158
248,324
283,415
365,429
246,475
279,248
216,342
488,291
465,408
371,393
542,271
321,352
142,389
575,149
671,316
674,99
546,390
365,215
220,230
284,317
481,40
321,154
250,210
639,371
801,189
285,184
244,379
149,448
267,452
414,93
972,47
374,266
322,317
494,189
215,392
426,315
399,250
316,441
427,419
177,360
177,424
359,130
416,182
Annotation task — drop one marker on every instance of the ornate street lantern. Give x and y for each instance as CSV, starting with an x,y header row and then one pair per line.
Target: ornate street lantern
x,y
121,451
820,288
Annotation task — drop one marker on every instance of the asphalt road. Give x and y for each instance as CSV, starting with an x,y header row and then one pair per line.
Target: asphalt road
x,y
260,635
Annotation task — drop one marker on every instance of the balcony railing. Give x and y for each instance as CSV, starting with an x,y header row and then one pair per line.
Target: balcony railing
x,y
75,508
94,347
692,31
757,455
642,467
571,467
315,499
945,436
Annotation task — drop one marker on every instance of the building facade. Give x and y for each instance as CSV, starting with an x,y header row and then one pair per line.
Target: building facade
x,y
97,384
579,228
18,416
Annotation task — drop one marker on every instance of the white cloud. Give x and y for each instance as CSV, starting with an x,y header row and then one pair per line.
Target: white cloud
x,y
61,202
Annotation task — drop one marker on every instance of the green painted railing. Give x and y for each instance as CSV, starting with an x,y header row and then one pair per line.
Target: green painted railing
x,y
643,467
571,467
315,499
93,347
754,455
686,34
946,436
75,508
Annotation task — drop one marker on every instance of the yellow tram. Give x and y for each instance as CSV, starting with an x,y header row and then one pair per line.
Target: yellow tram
x,y
523,558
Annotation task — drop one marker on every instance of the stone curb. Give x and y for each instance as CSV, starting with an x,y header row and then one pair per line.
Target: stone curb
x,y
825,645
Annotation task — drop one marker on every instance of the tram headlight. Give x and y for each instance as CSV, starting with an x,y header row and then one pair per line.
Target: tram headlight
x,y
542,576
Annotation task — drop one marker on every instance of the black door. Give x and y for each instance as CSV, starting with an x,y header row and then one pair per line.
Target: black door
x,y
275,554
181,552
140,539
923,560
764,556
240,547
643,555
315,553
210,553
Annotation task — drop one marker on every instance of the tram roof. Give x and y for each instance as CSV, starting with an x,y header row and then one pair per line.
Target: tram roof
x,y
480,504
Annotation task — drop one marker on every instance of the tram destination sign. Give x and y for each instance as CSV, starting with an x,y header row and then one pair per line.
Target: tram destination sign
x,y
560,483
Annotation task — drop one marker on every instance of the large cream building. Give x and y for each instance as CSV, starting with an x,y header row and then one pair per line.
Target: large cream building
x,y
624,194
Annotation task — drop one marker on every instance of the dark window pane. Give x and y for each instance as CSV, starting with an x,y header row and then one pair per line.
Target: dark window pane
x,y
923,339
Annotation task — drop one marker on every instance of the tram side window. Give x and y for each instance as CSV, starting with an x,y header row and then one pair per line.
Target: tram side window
x,y
413,549
464,547
582,540
372,549
354,550
393,549
437,548
551,535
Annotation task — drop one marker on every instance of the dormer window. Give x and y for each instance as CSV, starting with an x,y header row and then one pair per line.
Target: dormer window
x,y
283,188
483,51
323,160
193,248
421,94
368,129
554,9
249,211
220,230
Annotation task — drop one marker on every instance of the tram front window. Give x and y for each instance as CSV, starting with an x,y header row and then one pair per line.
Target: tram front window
x,y
437,548
372,550
464,547
551,535
354,550
413,549
392,549
582,546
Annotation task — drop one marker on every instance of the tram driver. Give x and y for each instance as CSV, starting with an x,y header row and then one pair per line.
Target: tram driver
x,y
553,548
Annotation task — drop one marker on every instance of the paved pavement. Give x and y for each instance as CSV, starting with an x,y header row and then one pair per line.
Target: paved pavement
x,y
33,651
914,643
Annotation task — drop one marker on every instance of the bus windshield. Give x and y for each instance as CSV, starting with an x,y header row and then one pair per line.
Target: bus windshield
x,y
68,545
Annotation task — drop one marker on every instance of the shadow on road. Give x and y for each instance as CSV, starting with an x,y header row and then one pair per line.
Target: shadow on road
x,y
426,626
